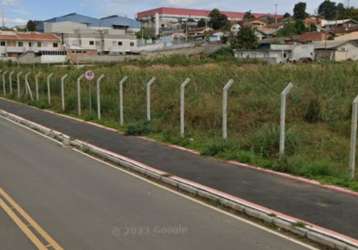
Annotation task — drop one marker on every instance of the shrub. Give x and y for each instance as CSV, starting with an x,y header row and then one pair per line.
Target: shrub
x,y
138,128
219,147
266,140
313,111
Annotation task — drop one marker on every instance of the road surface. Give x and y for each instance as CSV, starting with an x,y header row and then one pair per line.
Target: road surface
x,y
85,204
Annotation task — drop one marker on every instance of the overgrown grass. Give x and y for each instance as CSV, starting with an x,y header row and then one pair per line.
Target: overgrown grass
x,y
318,114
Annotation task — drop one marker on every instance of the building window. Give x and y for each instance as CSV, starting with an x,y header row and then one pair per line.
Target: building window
x,y
55,45
30,44
91,43
20,44
120,43
132,44
39,44
2,43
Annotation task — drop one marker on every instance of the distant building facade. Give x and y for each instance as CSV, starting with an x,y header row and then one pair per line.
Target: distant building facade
x,y
45,47
162,19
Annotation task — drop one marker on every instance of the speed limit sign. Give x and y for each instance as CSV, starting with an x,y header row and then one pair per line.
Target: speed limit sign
x,y
89,75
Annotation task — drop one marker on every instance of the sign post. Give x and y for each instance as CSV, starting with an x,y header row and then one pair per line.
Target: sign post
x,y
89,76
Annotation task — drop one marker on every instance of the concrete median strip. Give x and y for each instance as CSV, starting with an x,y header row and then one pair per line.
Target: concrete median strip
x,y
296,226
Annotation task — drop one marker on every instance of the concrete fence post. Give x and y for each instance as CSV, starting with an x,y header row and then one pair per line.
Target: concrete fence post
x,y
352,155
10,82
4,82
98,88
121,115
225,97
63,78
37,86
284,94
18,85
49,88
79,94
27,86
149,84
182,106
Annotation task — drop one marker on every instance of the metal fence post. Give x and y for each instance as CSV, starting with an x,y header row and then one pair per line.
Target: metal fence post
x,y
27,86
99,114
225,97
149,84
121,116
284,94
352,155
49,88
37,86
63,91
182,106
4,83
79,94
18,85
10,81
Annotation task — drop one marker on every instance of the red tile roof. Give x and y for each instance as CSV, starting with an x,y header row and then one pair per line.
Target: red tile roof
x,y
30,36
194,12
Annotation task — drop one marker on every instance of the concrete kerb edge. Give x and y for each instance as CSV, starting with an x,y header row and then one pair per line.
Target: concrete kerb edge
x,y
234,163
312,232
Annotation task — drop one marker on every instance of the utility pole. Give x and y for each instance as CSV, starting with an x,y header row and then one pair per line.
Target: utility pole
x,y
276,7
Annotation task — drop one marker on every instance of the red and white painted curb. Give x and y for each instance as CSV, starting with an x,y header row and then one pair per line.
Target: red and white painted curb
x,y
294,225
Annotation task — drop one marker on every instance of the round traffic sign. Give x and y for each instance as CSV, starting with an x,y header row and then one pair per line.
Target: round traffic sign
x,y
89,75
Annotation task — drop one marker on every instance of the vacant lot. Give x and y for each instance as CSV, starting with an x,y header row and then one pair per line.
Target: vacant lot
x,y
318,115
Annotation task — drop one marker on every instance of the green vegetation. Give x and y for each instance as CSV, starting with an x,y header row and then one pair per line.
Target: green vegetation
x,y
318,118
245,39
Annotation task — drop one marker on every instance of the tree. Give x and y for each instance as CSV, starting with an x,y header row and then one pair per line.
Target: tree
x,y
328,10
287,15
292,28
248,16
218,20
31,26
245,39
299,11
202,23
300,27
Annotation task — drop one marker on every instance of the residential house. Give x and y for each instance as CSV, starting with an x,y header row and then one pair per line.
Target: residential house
x,y
330,25
279,53
309,37
337,50
46,48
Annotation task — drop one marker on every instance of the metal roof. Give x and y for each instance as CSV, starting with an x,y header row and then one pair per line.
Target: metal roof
x,y
116,20
109,21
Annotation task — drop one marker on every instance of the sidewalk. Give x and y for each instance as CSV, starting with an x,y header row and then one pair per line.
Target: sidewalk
x,y
329,209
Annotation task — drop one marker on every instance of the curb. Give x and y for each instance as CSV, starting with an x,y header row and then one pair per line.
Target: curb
x,y
296,226
192,151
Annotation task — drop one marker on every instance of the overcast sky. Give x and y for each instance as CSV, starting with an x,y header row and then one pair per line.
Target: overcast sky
x,y
19,11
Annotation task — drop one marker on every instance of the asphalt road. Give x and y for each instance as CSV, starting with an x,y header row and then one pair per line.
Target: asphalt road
x,y
85,204
330,209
